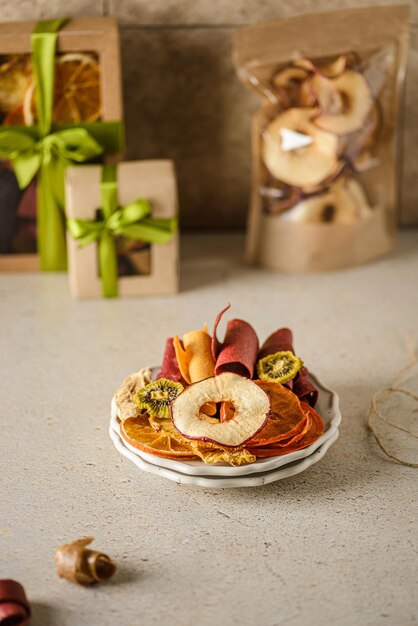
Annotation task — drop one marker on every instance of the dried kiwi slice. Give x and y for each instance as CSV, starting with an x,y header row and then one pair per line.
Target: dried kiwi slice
x,y
157,397
279,367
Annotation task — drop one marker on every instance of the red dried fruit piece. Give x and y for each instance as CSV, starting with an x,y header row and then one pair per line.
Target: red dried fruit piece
x,y
238,352
286,417
315,430
170,368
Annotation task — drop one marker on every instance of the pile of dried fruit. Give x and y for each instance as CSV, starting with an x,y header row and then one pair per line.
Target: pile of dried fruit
x,y
318,136
76,89
229,401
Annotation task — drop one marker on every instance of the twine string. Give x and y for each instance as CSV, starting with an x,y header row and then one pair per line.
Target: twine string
x,y
390,390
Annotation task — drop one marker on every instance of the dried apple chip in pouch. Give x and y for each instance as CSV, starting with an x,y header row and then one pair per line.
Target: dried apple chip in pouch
x,y
238,352
298,152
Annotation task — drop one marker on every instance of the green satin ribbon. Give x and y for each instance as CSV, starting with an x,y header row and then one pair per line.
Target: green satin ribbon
x,y
44,42
132,220
28,155
45,150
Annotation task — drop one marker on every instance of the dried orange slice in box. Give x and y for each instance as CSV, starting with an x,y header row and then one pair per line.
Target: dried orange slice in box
x,y
15,76
15,116
76,92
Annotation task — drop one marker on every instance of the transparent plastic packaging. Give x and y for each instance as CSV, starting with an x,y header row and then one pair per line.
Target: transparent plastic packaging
x,y
324,143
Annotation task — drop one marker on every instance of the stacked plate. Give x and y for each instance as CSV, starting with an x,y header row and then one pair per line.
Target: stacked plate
x,y
220,475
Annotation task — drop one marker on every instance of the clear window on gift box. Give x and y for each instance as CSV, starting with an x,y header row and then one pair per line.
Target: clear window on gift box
x,y
134,257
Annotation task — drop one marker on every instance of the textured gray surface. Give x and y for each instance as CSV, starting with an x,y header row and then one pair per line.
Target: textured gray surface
x,y
183,100
335,545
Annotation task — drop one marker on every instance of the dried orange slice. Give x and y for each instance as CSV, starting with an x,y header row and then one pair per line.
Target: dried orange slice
x,y
286,417
159,438
76,94
15,75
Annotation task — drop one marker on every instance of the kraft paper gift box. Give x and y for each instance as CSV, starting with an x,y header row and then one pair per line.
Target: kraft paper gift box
x,y
156,264
96,38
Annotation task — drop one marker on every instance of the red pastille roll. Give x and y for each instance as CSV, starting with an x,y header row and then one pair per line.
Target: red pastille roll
x,y
170,368
14,605
238,352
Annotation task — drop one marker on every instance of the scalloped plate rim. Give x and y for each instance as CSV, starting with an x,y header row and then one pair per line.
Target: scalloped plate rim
x,y
222,482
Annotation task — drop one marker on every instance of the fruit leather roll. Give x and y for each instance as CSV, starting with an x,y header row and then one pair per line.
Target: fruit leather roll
x,y
279,341
238,352
14,605
170,367
304,388
301,385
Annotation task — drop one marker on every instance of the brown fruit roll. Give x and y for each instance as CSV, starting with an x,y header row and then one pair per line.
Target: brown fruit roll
x,y
14,606
81,565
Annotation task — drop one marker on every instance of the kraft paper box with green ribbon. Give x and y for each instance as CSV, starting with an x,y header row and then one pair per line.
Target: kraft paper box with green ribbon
x,y
109,206
60,104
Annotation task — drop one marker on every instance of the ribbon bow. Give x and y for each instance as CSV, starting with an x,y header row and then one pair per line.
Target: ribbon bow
x,y
45,151
29,154
132,220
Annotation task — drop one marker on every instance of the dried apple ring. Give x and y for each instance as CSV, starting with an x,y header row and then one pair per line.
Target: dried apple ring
x,y
307,164
250,402
344,102
344,202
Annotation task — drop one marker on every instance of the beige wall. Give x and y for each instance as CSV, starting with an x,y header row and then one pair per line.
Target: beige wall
x,y
183,101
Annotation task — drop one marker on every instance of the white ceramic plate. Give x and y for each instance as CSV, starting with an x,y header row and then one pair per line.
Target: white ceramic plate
x,y
221,482
328,408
